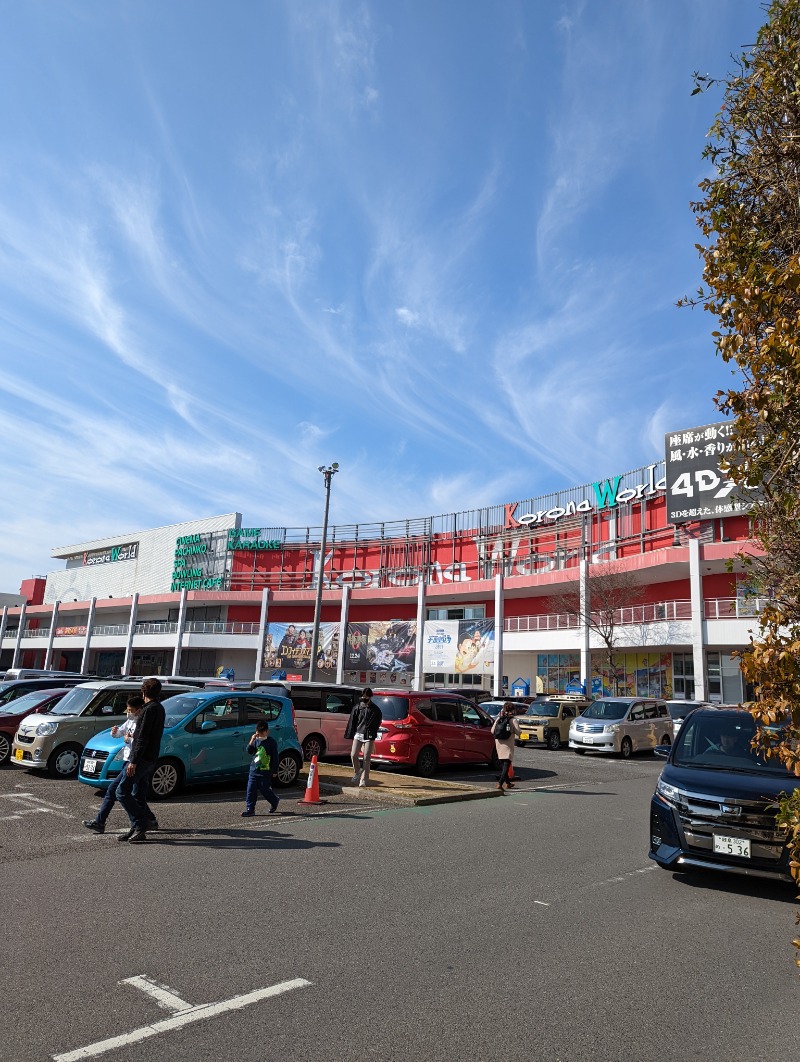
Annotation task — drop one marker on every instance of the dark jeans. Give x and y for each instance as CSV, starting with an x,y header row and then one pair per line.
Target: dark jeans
x,y
260,782
505,767
109,797
132,793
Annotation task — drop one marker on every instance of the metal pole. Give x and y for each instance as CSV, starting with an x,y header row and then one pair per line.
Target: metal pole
x,y
328,474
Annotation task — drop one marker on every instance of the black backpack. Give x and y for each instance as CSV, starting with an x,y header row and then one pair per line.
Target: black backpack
x,y
503,729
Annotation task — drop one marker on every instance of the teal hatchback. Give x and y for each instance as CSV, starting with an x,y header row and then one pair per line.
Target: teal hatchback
x,y
206,735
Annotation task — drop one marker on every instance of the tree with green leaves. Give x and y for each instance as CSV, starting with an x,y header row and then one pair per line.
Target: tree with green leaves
x,y
750,219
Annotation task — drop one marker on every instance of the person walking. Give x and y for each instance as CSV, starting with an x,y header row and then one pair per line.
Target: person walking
x,y
505,729
264,750
362,727
133,710
132,790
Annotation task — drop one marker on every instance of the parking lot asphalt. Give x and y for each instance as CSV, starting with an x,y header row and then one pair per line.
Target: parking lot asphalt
x,y
531,926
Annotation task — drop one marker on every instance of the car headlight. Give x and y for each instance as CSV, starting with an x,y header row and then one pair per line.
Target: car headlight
x,y
117,755
612,728
669,793
43,729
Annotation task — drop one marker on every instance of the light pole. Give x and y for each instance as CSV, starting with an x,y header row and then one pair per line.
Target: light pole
x,y
328,474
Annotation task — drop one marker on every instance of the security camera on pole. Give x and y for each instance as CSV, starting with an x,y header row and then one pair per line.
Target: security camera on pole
x,y
328,474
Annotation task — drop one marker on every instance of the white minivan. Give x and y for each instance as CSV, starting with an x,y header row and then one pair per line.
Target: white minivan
x,y
623,725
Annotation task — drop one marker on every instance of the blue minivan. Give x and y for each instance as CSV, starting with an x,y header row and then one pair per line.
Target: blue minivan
x,y
206,735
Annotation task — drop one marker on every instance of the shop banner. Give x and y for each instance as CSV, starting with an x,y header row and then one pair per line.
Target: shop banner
x,y
287,648
382,646
459,647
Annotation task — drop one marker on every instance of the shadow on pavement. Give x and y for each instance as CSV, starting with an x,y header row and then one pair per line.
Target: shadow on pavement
x,y
234,839
737,884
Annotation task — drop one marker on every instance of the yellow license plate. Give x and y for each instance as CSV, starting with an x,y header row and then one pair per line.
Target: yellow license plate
x,y
18,754
524,736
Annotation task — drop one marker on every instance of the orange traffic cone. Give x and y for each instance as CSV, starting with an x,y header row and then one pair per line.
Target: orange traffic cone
x,y
312,785
511,772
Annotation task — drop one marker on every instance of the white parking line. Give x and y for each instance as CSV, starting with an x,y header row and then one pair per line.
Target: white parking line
x,y
177,1021
28,804
160,993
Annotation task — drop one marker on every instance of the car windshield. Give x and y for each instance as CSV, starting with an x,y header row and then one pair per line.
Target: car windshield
x,y
680,709
392,707
177,708
548,708
74,702
723,744
492,708
28,702
606,710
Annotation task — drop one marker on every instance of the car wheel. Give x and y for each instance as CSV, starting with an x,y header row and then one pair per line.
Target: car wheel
x,y
64,762
289,764
554,740
314,745
427,761
167,780
626,748
5,748
579,752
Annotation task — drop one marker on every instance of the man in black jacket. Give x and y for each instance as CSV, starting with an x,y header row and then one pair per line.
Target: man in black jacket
x,y
133,789
362,727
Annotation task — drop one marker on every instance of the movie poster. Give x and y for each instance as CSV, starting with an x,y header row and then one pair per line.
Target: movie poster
x,y
459,647
287,648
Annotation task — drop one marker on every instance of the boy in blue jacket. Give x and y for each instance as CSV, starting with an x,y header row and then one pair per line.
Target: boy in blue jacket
x,y
264,751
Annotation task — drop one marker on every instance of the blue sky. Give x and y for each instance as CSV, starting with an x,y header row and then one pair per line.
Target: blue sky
x,y
439,243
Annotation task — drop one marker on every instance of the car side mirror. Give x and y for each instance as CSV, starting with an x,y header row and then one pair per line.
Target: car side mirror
x,y
208,724
662,751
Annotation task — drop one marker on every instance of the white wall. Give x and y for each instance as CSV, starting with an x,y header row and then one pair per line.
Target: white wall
x,y
149,573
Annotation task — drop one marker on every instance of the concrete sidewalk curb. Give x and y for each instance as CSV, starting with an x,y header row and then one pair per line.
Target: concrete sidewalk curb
x,y
397,789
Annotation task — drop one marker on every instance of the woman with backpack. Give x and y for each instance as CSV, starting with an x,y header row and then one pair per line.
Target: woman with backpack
x,y
506,730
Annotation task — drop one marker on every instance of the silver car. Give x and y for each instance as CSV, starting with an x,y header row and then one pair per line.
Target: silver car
x,y
623,725
678,711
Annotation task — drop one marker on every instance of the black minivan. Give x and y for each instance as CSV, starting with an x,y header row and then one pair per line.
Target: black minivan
x,y
716,800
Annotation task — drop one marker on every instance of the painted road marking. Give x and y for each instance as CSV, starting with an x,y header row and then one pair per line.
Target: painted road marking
x,y
28,804
177,1021
541,903
160,993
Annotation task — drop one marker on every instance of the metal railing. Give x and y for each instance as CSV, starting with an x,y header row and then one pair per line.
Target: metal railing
x,y
221,627
636,615
112,629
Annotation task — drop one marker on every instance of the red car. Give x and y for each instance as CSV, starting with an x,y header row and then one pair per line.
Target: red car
x,y
12,712
425,729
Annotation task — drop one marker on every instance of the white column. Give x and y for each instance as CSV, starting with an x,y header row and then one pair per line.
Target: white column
x,y
126,667
3,623
344,617
586,632
176,660
499,622
48,656
88,641
20,629
419,663
263,621
698,620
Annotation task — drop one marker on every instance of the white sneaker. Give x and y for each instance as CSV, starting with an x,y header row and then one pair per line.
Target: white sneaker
x,y
363,785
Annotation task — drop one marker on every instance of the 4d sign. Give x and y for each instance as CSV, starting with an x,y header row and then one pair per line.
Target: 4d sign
x,y
697,488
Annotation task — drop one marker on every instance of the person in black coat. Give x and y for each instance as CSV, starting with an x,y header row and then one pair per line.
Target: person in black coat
x,y
362,727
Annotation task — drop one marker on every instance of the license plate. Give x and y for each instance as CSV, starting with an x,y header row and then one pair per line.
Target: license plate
x,y
89,766
524,736
18,754
735,846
